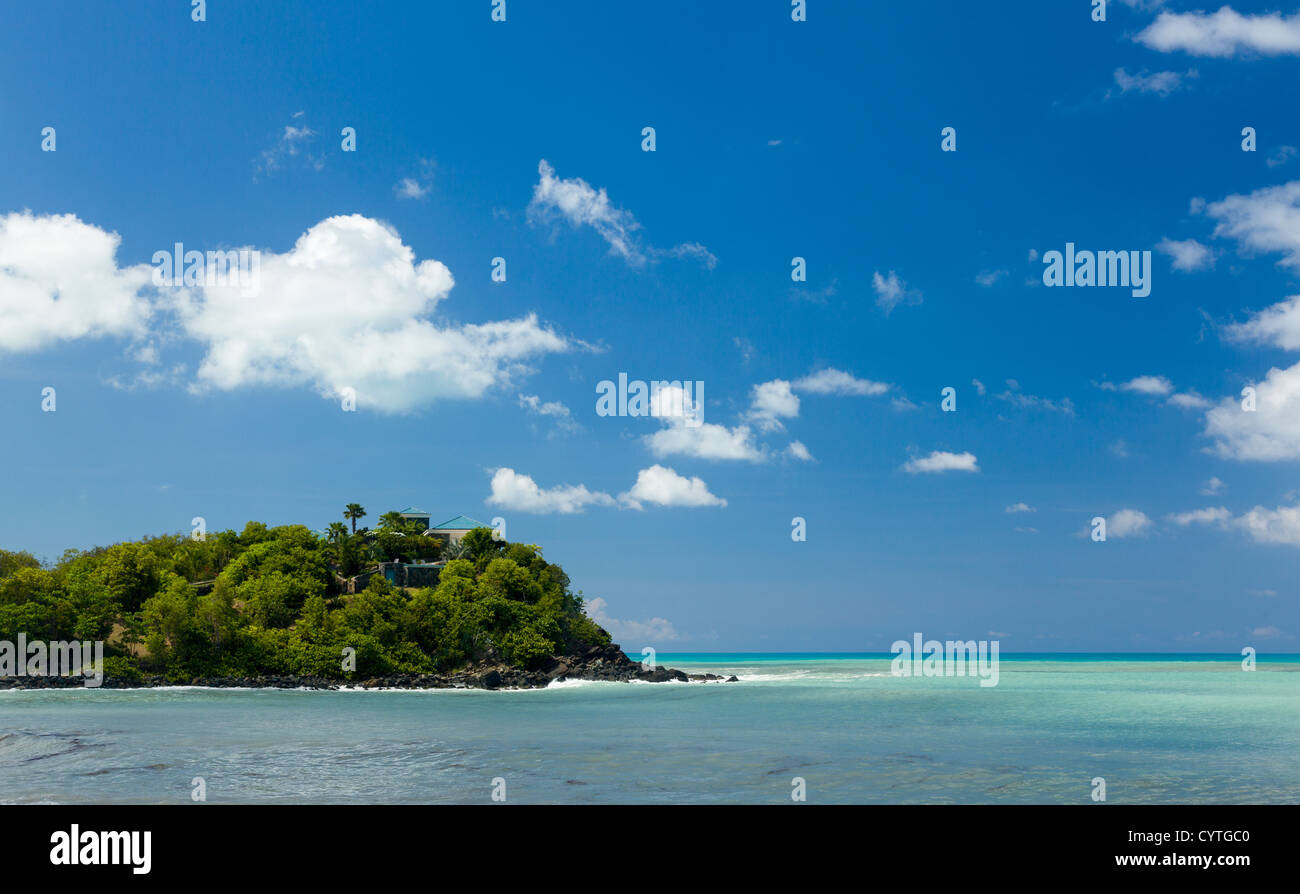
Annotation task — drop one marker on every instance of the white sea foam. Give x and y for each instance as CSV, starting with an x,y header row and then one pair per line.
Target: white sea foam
x,y
571,684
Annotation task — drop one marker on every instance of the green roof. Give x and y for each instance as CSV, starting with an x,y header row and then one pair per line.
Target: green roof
x,y
411,510
459,523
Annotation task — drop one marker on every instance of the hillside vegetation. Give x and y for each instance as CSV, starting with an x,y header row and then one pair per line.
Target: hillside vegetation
x,y
276,606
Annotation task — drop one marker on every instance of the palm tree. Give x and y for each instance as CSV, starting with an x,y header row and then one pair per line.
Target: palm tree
x,y
354,512
337,531
392,520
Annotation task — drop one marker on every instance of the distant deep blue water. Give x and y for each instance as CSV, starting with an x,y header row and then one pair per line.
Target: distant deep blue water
x,y
1158,728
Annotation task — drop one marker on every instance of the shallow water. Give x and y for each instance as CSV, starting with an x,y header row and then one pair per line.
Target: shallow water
x,y
1157,730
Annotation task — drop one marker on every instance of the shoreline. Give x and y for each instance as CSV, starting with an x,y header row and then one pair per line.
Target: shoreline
x,y
597,664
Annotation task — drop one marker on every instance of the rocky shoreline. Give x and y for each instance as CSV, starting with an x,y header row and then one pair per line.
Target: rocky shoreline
x,y
605,663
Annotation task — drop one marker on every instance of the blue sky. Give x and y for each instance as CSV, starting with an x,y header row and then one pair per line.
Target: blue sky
x,y
775,139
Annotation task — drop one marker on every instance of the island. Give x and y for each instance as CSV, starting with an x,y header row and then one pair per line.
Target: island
x,y
407,605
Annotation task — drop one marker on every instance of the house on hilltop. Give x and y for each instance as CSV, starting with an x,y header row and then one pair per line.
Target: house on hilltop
x,y
412,573
455,528
411,514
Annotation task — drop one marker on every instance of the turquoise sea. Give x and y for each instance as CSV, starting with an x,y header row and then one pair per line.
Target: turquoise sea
x,y
1157,728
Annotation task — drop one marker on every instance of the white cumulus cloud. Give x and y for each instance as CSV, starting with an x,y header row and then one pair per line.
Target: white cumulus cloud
x,y
1224,33
664,487
770,403
59,281
1280,525
1265,221
511,490
705,441
1269,433
347,307
1278,325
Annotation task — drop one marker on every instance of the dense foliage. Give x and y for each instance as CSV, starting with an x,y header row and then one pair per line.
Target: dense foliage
x,y
270,601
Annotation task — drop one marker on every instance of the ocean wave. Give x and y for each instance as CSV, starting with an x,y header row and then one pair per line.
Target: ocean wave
x,y
24,746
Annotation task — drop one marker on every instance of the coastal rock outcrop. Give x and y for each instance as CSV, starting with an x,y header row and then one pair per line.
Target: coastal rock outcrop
x,y
603,663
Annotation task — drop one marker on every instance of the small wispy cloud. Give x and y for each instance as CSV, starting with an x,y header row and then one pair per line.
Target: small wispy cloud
x,y
1018,398
1187,255
417,186
745,347
1190,400
554,410
798,451
291,143
1211,515
1161,83
942,461
892,292
1155,386
1281,155
580,204
815,296
1128,523
837,381
691,251
410,188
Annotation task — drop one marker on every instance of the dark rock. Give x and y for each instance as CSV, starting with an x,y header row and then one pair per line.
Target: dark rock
x,y
607,663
